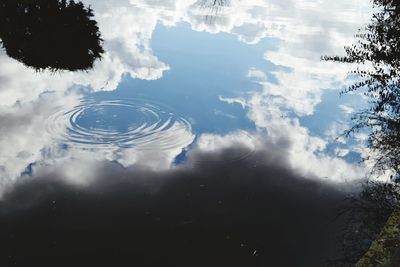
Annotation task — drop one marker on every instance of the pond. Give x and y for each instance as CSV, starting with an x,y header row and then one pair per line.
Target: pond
x,y
182,132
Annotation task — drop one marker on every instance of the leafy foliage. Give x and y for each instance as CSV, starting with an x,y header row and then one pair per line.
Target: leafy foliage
x,y
50,34
378,49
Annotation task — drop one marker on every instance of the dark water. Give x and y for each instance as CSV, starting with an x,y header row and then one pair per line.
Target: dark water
x,y
205,134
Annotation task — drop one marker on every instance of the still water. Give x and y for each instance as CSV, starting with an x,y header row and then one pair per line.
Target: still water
x,y
225,90
183,75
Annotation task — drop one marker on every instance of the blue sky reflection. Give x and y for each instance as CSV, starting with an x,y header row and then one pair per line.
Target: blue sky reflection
x,y
173,84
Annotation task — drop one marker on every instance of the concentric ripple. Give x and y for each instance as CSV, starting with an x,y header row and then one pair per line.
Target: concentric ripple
x,y
125,123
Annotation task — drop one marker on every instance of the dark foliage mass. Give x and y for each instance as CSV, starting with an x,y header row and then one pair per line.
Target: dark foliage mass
x,y
365,216
50,34
378,47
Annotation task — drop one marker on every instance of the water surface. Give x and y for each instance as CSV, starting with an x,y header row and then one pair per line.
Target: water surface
x,y
237,90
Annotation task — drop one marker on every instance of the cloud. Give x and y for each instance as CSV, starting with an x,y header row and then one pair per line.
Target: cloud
x,y
304,33
305,153
346,109
23,135
301,42
37,135
240,101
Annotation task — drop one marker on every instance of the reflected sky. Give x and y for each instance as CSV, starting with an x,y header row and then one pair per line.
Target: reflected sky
x,y
196,117
173,81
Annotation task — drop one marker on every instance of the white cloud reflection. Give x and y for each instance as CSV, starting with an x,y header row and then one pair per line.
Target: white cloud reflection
x,y
304,29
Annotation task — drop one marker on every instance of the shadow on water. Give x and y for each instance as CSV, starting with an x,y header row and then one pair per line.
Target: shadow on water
x,y
205,216
50,34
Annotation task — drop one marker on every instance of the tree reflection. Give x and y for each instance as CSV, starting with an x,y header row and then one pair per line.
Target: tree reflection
x,y
365,216
50,34
377,57
214,8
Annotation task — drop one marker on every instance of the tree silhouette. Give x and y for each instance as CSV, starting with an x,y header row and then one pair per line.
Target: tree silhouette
x,y
50,34
378,48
